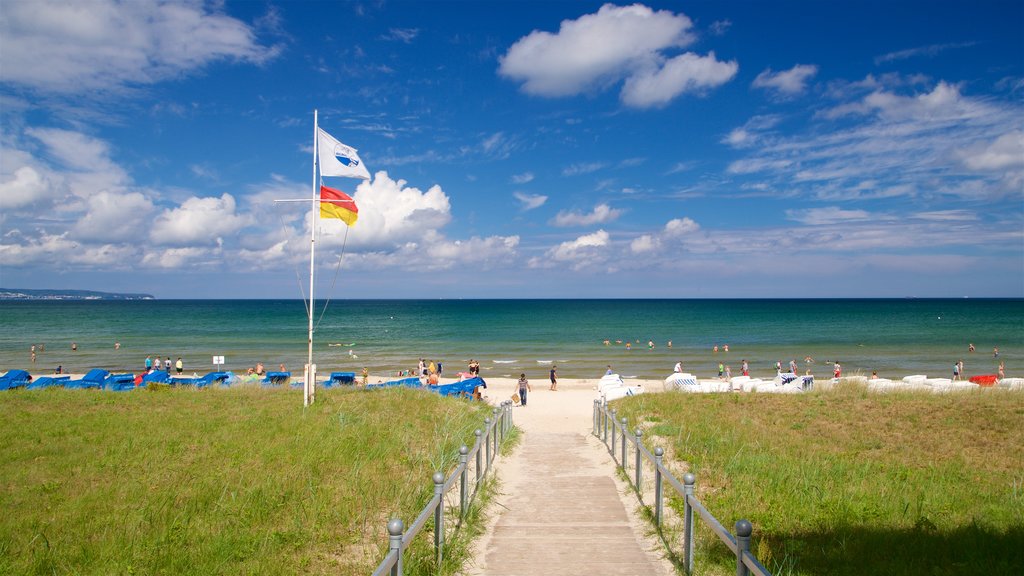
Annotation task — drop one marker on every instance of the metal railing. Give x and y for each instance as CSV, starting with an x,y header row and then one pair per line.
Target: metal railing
x,y
615,433
479,458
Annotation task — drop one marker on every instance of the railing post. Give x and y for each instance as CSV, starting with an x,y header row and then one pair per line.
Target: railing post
x,y
604,423
439,517
688,481
487,439
743,532
479,468
614,434
395,529
463,492
495,412
659,454
639,464
625,430
594,417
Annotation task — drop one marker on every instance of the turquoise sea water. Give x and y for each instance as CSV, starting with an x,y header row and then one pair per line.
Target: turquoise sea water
x,y
895,337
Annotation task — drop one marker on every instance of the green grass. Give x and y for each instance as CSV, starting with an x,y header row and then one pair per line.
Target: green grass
x,y
217,481
850,482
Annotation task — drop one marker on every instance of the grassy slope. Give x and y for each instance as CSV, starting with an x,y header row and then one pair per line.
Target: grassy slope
x,y
216,481
848,482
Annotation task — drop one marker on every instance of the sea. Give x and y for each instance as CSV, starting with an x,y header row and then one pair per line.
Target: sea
x,y
636,338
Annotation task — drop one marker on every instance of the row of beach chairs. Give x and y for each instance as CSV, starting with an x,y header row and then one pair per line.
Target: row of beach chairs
x,y
100,379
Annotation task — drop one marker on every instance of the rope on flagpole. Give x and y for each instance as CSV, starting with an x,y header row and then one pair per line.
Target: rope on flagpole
x,y
295,267
337,271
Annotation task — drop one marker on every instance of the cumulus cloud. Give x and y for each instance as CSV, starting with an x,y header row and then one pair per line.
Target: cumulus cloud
x,y
641,244
680,227
113,216
580,252
23,188
64,47
631,43
787,82
530,201
391,212
601,214
685,73
202,221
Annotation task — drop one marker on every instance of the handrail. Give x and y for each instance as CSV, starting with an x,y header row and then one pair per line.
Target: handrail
x,y
606,424
495,431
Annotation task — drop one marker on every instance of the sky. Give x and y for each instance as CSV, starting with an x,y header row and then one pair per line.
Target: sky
x,y
518,149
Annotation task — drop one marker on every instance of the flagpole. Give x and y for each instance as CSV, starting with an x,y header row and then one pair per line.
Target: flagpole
x,y
310,384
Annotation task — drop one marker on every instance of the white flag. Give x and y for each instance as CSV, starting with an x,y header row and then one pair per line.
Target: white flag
x,y
337,159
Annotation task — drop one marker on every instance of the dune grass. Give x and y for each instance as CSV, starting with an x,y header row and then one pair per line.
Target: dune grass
x,y
228,481
851,482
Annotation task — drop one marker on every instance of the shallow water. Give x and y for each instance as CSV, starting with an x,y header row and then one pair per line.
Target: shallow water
x,y
895,337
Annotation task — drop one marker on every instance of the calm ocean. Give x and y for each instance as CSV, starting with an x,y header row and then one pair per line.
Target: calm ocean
x,y
894,337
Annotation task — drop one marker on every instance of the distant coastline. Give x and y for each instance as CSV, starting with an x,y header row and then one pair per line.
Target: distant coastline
x,y
27,294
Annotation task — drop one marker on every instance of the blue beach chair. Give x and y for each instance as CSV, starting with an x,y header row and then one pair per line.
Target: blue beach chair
x,y
276,378
15,379
93,379
48,382
341,379
119,382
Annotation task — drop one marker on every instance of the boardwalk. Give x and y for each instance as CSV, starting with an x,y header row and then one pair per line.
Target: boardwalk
x,y
561,509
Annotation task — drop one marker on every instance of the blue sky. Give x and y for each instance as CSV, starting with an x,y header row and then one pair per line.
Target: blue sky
x,y
518,149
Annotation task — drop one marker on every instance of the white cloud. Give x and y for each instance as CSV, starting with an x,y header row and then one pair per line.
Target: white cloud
x,y
930,51
406,35
617,43
530,201
23,188
202,221
601,214
582,250
1005,152
829,216
680,227
685,73
645,243
889,143
523,178
788,82
448,254
72,47
391,213
592,49
582,168
112,216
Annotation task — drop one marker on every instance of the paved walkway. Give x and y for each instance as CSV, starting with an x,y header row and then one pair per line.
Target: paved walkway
x,y
561,509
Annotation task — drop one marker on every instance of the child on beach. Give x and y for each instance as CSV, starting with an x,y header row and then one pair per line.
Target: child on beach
x,y
524,386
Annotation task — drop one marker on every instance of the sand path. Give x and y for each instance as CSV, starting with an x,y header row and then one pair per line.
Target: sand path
x,y
560,508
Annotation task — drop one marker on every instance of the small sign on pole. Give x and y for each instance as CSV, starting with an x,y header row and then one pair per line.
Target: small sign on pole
x,y
218,361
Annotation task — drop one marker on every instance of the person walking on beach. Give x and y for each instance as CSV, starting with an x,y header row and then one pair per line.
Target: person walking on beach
x,y
837,370
366,376
745,368
524,386
167,365
179,365
679,367
149,363
792,366
554,378
956,371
